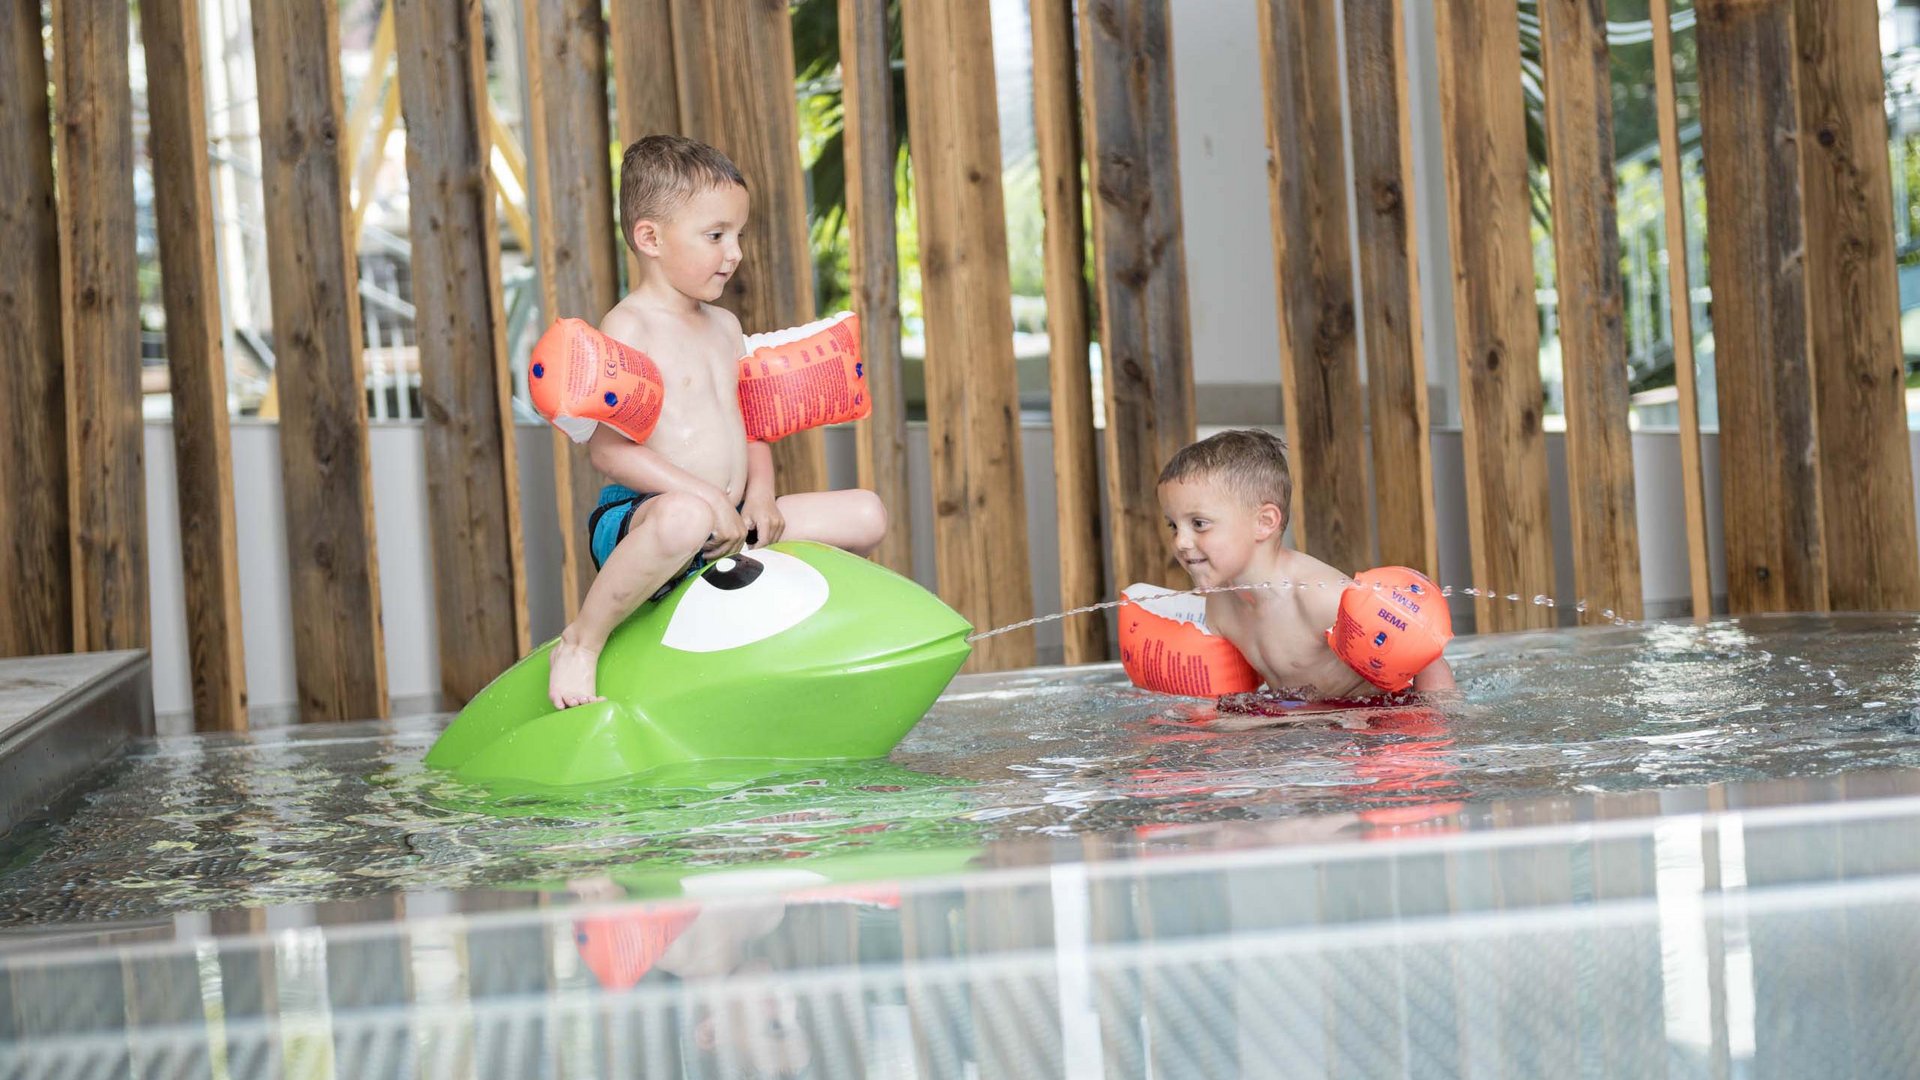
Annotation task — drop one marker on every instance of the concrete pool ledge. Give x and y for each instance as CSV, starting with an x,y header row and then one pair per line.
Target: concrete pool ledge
x,y
61,717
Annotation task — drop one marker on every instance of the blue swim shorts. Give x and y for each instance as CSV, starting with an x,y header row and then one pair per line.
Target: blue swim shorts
x,y
607,525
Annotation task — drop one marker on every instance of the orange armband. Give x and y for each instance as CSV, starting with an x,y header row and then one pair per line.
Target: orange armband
x,y
1393,622
791,380
579,377
1165,646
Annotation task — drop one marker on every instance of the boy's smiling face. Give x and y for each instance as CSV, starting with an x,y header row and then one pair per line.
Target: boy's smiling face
x,y
698,247
1216,529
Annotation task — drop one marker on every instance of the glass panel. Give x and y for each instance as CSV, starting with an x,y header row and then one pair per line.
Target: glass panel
x,y
822,121
1900,59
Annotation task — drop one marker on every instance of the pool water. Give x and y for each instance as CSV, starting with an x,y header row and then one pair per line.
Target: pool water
x,y
342,812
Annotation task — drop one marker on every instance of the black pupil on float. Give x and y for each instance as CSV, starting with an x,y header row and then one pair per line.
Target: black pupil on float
x,y
734,572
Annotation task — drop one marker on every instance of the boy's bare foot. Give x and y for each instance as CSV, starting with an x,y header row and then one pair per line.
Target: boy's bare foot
x,y
573,670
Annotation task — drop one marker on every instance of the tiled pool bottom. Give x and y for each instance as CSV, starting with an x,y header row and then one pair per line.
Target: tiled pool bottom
x,y
348,812
1774,942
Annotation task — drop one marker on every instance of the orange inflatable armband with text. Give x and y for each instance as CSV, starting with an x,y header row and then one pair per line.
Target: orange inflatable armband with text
x,y
791,380
579,377
1393,622
1165,646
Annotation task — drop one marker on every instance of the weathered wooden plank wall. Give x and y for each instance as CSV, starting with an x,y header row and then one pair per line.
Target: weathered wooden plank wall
x,y
733,60
1680,307
473,494
1853,301
1756,240
1076,446
99,299
340,655
1146,355
1498,337
973,416
196,361
575,229
1313,266
1593,346
1397,412
645,84
866,80
35,560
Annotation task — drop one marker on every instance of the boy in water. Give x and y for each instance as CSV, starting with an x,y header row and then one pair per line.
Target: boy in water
x,y
1225,500
697,490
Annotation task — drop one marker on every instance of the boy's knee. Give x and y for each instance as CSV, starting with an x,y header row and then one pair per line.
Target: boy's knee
x,y
680,522
871,514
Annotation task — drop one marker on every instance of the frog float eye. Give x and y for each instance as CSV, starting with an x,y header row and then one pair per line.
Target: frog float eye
x,y
743,599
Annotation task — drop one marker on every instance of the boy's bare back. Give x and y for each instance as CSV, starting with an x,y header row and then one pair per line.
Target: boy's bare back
x,y
1282,630
698,352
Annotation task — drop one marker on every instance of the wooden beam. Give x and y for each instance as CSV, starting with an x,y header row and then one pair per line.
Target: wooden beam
x,y
100,300
335,574
1873,558
1313,264
734,63
1680,306
1076,466
1146,356
866,79
35,561
196,362
1398,416
973,414
1586,244
473,493
578,233
1769,472
1494,311
646,94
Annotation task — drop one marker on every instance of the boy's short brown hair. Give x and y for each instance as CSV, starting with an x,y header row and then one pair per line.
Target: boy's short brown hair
x,y
660,172
1251,461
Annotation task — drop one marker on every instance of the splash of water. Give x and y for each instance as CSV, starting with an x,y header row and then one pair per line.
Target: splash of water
x,y
1539,600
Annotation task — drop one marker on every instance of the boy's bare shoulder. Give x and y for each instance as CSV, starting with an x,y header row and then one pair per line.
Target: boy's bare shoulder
x,y
1317,587
626,323
722,318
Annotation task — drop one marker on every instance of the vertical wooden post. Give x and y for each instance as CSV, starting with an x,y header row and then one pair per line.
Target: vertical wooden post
x,y
1146,355
1586,242
35,562
473,497
1769,472
1499,338
335,573
577,234
866,80
646,94
1680,305
197,362
1319,373
973,416
734,62
1056,126
1873,558
106,482
1398,414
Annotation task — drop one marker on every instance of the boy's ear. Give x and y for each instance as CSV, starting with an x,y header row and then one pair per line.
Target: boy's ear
x,y
646,237
1269,520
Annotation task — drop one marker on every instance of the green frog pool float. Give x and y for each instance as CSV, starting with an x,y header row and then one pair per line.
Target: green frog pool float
x,y
797,652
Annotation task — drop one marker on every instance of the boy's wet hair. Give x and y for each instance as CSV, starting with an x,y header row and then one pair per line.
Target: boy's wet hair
x,y
659,173
1252,462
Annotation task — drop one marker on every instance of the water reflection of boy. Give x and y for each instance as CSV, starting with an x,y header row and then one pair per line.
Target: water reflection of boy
x,y
683,943
1401,754
691,944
